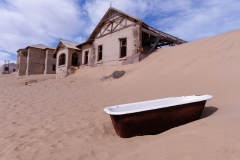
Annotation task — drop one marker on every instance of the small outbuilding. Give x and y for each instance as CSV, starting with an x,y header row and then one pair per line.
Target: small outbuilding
x,y
36,59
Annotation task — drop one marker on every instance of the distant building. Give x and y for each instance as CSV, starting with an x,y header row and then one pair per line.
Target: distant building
x,y
8,68
36,59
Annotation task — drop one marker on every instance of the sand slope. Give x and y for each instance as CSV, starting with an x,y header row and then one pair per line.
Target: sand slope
x,y
64,119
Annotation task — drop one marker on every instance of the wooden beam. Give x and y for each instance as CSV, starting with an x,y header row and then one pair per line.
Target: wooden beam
x,y
119,23
107,28
154,46
150,32
117,30
109,18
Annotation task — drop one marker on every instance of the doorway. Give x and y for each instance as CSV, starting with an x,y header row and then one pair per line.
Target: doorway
x,y
74,59
86,58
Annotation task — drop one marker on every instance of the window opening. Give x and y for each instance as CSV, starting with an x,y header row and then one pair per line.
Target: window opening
x,y
123,47
62,59
6,68
53,67
86,58
100,53
74,59
25,54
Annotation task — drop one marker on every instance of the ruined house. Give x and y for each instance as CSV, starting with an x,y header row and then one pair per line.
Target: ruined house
x,y
36,59
120,38
8,68
67,55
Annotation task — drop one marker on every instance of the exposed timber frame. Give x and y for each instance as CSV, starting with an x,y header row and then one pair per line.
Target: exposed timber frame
x,y
115,20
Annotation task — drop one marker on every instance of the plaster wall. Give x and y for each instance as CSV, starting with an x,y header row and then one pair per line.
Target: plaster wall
x,y
21,63
62,69
35,61
49,62
86,47
111,47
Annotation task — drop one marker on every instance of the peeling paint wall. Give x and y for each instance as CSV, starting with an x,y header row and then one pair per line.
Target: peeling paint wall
x,y
137,39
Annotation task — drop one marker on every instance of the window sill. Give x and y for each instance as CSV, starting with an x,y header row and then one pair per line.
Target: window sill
x,y
61,66
123,58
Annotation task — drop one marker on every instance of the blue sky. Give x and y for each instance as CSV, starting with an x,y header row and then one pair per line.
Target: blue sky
x,y
25,22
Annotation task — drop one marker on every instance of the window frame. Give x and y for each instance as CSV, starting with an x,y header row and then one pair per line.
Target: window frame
x,y
100,52
123,46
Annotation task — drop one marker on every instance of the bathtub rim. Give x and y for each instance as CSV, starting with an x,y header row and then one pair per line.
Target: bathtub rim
x,y
198,99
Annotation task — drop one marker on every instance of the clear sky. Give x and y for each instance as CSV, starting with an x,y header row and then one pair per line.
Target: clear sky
x,y
30,22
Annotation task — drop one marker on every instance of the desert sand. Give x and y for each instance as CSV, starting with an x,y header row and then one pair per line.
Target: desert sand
x,y
52,119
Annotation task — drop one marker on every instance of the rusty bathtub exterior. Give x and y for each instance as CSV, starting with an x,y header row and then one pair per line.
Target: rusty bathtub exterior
x,y
155,121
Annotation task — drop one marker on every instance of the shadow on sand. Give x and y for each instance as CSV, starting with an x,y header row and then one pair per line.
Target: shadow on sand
x,y
208,111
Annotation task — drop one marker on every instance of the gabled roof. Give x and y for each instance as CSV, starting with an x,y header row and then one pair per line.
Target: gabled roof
x,y
112,12
67,44
40,46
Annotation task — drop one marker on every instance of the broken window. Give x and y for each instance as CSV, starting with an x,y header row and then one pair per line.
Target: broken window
x,y
53,67
74,59
86,58
100,53
25,54
62,59
123,47
6,68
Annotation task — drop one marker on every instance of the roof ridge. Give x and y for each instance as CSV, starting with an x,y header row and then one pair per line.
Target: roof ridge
x,y
68,41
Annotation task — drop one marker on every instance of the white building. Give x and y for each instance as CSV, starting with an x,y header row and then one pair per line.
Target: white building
x,y
8,68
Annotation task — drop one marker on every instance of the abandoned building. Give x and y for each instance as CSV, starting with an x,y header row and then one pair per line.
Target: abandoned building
x,y
67,55
36,59
120,38
8,68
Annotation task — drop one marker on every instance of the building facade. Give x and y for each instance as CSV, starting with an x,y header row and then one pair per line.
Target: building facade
x,y
67,55
36,59
8,68
120,38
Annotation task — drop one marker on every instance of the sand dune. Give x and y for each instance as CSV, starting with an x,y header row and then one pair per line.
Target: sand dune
x,y
64,118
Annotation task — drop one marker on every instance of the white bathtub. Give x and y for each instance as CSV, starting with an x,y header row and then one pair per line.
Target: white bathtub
x,y
155,116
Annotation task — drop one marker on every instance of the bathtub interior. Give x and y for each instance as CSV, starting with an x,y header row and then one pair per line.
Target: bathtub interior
x,y
153,104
